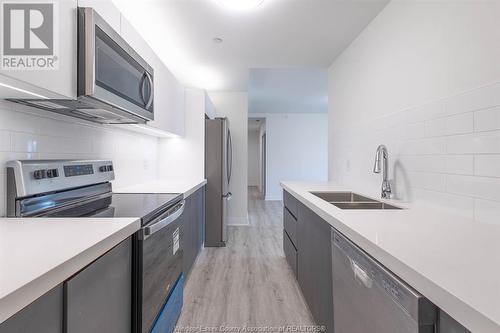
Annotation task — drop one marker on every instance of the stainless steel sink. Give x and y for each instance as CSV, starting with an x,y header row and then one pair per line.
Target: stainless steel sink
x,y
342,197
351,200
363,205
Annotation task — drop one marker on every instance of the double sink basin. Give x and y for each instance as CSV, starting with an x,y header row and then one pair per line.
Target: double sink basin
x,y
350,200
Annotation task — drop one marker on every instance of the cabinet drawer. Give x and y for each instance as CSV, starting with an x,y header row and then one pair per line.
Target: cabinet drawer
x,y
290,226
290,253
291,203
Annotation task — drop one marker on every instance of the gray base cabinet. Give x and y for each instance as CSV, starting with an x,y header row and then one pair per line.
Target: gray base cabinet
x,y
307,247
96,299
314,265
308,251
99,298
193,231
449,325
45,315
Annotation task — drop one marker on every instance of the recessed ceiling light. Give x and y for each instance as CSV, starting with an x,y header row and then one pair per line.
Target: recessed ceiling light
x,y
240,5
218,40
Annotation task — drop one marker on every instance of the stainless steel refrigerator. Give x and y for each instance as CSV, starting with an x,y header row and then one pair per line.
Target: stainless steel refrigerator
x,y
218,167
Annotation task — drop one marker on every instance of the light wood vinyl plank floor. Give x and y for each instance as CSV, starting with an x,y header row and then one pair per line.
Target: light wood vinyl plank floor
x,y
248,283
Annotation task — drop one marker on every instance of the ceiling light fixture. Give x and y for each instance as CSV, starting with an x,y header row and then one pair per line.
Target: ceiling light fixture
x,y
218,40
240,5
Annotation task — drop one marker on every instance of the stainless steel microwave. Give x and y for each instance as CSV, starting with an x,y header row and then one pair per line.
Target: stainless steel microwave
x,y
115,85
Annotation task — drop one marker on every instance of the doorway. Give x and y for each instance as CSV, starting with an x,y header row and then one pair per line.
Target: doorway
x,y
257,156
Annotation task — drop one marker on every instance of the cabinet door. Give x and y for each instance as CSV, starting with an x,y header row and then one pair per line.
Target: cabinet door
x,y
99,298
57,82
314,265
194,219
45,315
169,93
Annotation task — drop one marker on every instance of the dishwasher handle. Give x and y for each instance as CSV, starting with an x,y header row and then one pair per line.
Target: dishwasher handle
x,y
360,274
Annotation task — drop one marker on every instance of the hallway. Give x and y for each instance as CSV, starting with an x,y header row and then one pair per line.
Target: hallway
x,y
248,283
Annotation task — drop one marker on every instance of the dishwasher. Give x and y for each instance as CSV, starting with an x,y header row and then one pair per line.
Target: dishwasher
x,y
369,298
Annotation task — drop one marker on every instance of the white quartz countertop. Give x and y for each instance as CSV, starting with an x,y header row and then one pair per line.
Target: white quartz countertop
x,y
451,260
184,186
37,254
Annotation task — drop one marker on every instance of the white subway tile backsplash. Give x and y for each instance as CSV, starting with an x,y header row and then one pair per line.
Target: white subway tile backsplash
x,y
477,99
487,211
473,186
414,130
427,146
428,181
30,143
478,143
487,165
460,124
487,120
445,153
435,127
4,141
460,164
27,133
425,163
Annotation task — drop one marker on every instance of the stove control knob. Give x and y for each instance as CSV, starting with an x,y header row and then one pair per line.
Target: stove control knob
x,y
40,174
109,168
102,168
52,173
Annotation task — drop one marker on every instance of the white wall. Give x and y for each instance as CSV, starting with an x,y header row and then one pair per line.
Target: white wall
x,y
27,133
422,78
296,149
253,158
184,157
234,105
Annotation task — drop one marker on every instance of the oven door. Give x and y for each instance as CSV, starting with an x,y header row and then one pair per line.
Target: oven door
x,y
159,260
110,71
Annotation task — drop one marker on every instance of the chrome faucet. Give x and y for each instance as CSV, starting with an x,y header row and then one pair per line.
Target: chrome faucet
x,y
383,154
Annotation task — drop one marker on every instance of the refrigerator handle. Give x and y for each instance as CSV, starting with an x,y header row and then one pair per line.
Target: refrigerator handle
x,y
230,156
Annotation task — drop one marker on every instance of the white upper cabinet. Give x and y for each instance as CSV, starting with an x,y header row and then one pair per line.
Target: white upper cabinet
x,y
58,81
168,92
61,82
106,9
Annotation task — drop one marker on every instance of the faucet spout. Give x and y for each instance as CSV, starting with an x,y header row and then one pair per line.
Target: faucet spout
x,y
382,164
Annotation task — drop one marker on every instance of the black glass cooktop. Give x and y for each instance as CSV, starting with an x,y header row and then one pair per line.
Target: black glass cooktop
x,y
140,205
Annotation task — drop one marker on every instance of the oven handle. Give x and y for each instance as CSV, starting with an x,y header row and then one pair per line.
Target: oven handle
x,y
146,232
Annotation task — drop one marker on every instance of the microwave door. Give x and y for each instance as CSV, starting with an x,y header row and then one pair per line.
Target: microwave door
x,y
112,71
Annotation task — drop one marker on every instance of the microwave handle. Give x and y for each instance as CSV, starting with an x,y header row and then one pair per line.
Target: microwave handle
x,y
151,95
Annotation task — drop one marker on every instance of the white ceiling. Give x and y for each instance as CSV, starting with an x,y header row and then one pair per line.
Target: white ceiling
x,y
279,33
291,90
